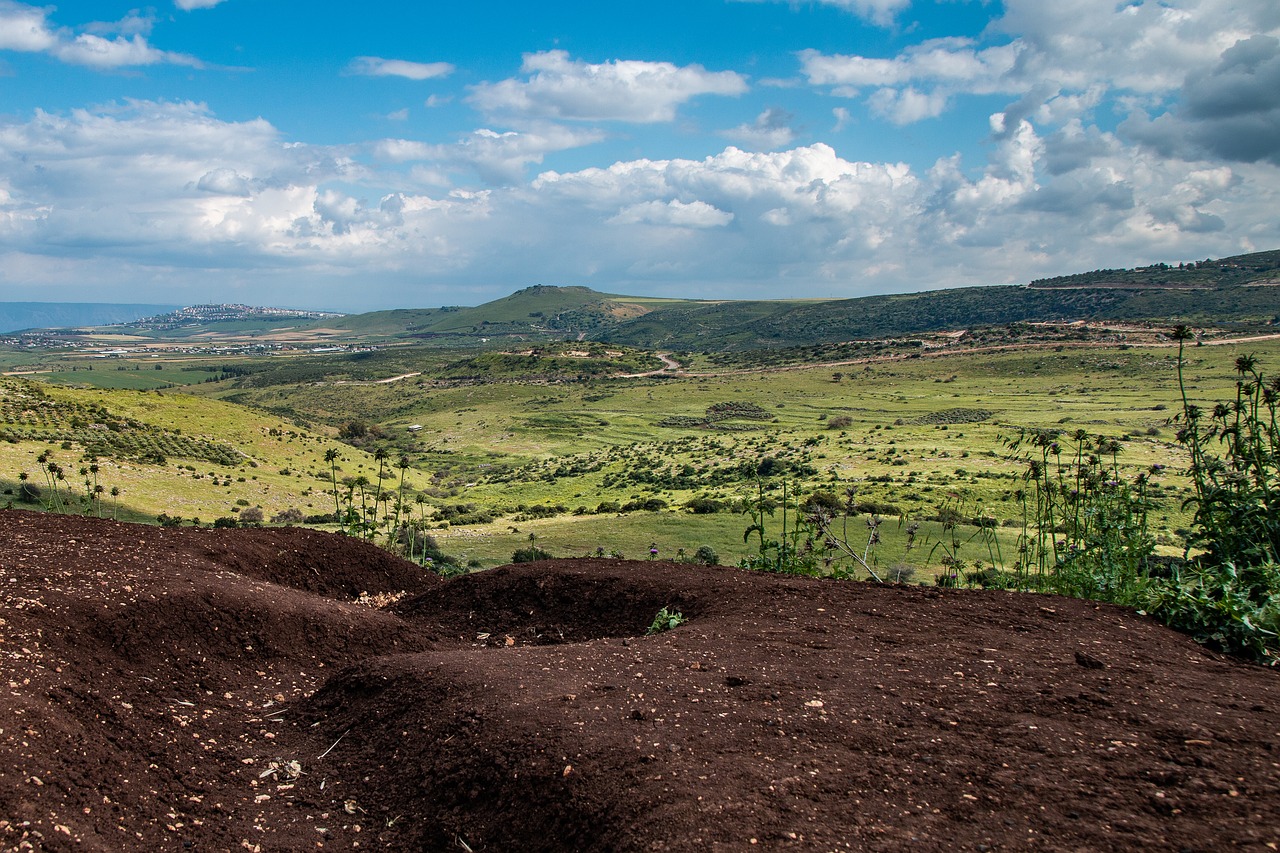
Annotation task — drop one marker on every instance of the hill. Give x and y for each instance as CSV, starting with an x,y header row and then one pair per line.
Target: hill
x,y
540,312
172,689
1237,290
1242,290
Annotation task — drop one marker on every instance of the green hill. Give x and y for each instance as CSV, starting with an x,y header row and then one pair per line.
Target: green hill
x,y
1235,290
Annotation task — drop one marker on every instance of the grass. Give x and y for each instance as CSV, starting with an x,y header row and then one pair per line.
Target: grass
x,y
474,435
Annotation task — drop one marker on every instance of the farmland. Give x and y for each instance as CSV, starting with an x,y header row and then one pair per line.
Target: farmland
x,y
566,447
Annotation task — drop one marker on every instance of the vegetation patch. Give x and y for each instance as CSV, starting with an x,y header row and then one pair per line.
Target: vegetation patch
x,y
954,416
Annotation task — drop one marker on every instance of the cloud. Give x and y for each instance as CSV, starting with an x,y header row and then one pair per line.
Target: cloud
x,y
557,87
905,106
376,66
771,129
170,202
940,62
26,28
188,5
1059,59
879,12
499,158
674,213
1230,111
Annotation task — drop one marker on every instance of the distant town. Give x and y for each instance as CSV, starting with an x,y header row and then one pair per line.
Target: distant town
x,y
195,315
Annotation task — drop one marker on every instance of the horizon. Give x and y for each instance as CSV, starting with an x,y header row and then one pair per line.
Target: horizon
x,y
219,151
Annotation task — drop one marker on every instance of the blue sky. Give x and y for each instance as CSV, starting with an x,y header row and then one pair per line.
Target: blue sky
x,y
372,155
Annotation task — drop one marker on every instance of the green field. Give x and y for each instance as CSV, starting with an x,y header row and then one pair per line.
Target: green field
x,y
557,455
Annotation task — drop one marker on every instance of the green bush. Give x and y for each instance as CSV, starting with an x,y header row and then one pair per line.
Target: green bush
x,y
1228,595
706,555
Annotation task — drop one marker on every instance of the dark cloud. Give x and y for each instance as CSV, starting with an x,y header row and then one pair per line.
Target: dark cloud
x,y
1231,111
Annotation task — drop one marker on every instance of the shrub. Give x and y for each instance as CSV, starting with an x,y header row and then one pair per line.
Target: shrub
x,y
225,522
704,506
252,515
839,422
530,554
288,516
706,555
1228,596
665,620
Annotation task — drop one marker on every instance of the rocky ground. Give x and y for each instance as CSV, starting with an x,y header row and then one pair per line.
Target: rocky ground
x,y
240,689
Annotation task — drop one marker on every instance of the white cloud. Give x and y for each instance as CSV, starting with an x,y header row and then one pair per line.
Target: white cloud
x,y
880,12
376,66
498,158
188,5
26,28
158,197
771,129
674,213
905,106
557,87
1061,58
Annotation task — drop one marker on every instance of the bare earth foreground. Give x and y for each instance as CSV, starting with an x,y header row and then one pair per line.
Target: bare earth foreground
x,y
220,690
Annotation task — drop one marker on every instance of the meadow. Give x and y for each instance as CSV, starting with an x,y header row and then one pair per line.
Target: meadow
x,y
555,452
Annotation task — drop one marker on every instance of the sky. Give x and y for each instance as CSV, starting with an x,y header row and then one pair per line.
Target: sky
x,y
360,156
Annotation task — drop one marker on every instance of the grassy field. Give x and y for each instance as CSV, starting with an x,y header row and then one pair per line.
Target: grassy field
x,y
914,435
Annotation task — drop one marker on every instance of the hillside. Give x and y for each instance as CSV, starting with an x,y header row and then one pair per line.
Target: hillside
x,y
196,689
1233,291
1228,291
1238,291
540,312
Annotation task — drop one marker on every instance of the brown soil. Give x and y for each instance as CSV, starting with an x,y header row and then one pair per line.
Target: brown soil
x,y
221,690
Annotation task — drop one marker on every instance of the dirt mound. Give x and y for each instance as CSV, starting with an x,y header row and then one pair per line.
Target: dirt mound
x,y
218,690
552,602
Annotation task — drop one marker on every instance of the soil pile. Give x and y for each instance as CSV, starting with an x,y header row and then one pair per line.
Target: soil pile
x,y
222,690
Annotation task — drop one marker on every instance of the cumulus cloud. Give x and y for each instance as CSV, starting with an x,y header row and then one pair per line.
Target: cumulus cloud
x,y
557,87
376,66
675,213
25,28
102,45
162,194
1060,59
499,158
771,129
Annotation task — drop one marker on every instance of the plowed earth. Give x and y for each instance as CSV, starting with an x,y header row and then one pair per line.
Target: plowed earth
x,y
222,690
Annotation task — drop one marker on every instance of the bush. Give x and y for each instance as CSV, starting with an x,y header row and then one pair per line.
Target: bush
x,y
704,506
1228,596
706,555
530,554
252,515
226,521
288,516
839,422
